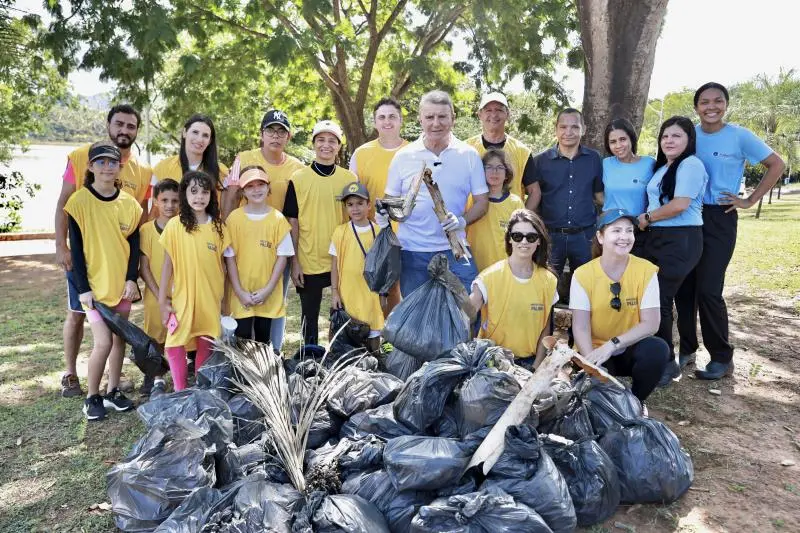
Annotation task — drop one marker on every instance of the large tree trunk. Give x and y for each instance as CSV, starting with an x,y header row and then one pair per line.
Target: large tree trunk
x,y
619,43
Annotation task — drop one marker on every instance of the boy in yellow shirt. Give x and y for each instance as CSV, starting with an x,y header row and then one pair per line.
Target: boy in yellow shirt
x,y
349,246
166,200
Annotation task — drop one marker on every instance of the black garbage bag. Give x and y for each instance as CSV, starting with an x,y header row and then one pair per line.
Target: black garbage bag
x,y
446,425
324,425
146,488
348,513
401,364
382,265
146,354
360,390
430,321
422,399
426,463
307,352
248,420
379,422
651,465
555,402
398,508
590,475
353,334
483,398
485,511
364,455
609,405
217,374
572,425
239,462
527,473
188,517
203,407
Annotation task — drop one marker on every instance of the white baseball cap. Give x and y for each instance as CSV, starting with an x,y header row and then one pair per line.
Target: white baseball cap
x,y
500,98
327,126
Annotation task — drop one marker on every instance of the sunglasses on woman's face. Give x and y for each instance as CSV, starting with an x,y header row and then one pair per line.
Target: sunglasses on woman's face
x,y
616,303
517,236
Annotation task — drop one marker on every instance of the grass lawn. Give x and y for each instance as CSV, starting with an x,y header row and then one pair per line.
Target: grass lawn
x,y
53,464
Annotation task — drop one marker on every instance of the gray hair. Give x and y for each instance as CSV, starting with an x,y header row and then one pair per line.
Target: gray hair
x,y
437,98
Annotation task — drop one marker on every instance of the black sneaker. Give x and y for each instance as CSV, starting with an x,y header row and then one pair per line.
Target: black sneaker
x,y
147,386
159,388
117,401
93,407
671,373
70,386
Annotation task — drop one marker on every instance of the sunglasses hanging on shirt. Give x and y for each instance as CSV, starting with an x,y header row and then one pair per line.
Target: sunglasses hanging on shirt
x,y
616,303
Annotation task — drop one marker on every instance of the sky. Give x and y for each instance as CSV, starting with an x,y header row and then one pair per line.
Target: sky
x,y
727,41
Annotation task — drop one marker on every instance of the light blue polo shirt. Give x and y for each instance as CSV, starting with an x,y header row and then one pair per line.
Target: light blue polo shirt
x,y
724,154
690,182
625,184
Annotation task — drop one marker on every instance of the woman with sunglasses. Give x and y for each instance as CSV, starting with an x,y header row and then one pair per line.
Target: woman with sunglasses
x,y
616,308
515,295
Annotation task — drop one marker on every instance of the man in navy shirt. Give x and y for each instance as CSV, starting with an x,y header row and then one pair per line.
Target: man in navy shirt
x,y
565,188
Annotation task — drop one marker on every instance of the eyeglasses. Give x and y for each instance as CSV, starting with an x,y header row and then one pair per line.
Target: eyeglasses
x,y
616,303
275,132
108,163
498,168
516,236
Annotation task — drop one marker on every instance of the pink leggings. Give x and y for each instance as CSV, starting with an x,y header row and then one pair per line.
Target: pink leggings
x,y
177,361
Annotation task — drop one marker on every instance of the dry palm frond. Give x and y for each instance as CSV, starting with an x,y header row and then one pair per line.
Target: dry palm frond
x,y
264,383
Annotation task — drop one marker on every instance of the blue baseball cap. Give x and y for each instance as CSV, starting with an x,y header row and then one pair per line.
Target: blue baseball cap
x,y
612,215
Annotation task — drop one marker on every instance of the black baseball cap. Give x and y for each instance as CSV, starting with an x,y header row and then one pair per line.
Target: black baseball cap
x,y
354,189
275,116
612,215
104,149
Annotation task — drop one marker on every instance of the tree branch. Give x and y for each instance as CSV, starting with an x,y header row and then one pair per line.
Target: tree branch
x,y
230,22
375,41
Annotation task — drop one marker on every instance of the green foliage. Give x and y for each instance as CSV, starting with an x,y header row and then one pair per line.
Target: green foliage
x,y
71,121
13,190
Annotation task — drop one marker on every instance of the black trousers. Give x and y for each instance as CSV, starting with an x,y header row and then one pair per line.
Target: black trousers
x,y
702,289
254,327
676,251
310,300
644,362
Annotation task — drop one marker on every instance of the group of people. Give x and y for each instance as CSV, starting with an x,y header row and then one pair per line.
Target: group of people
x,y
640,235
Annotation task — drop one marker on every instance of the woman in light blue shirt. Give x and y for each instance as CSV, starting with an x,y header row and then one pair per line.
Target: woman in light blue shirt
x,y
724,148
626,174
674,220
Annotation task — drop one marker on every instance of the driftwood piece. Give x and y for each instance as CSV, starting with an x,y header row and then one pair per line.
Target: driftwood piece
x,y
459,247
399,209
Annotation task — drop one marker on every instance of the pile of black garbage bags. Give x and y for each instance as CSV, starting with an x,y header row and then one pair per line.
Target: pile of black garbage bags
x,y
389,453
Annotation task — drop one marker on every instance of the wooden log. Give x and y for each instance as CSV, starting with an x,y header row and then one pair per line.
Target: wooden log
x,y
399,209
459,248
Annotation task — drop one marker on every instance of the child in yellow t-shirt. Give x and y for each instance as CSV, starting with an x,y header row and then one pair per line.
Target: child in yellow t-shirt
x,y
166,201
349,246
194,243
104,245
261,242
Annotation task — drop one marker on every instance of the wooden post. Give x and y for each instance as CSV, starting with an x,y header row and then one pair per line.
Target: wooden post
x,y
459,248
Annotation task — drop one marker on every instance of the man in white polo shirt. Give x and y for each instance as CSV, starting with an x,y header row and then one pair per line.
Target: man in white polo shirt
x,y
458,170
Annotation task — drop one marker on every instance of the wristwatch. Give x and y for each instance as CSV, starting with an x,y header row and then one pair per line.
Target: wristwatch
x,y
647,217
615,341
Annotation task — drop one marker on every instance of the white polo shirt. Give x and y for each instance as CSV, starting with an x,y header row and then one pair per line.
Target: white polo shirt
x,y
459,172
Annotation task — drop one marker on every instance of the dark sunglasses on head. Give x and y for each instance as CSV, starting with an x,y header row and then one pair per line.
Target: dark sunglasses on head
x,y
616,303
516,236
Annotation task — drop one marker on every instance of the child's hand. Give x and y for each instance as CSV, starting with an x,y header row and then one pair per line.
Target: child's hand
x,y
166,310
130,291
87,299
336,300
260,296
297,273
245,297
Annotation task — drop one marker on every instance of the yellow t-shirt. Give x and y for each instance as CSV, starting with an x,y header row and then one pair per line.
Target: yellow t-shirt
x,y
151,247
605,321
319,212
279,175
198,279
359,302
134,175
106,224
370,162
171,168
486,235
255,243
517,153
517,311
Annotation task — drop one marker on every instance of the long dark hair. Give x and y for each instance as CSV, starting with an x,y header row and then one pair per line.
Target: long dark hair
x,y
668,181
210,162
542,254
624,125
187,218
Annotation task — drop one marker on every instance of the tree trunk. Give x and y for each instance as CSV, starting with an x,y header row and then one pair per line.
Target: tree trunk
x,y
619,43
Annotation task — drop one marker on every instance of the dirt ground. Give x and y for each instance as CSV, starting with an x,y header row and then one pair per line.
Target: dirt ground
x,y
737,439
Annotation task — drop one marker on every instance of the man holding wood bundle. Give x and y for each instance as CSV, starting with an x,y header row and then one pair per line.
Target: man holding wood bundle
x,y
457,169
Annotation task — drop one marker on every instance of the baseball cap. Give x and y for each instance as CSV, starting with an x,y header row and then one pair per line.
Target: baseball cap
x,y
327,126
275,116
354,189
104,149
493,97
252,174
612,215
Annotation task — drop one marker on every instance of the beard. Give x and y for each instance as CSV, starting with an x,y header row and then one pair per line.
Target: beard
x,y
123,141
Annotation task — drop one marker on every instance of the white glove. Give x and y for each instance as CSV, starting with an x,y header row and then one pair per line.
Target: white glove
x,y
382,219
454,223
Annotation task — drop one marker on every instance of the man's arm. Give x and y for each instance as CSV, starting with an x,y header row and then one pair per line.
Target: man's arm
x,y
63,257
534,196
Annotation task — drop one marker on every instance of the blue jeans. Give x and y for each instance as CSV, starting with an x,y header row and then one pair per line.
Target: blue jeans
x,y
575,247
415,270
278,326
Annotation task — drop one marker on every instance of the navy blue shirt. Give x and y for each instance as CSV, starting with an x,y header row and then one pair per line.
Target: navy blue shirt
x,y
568,187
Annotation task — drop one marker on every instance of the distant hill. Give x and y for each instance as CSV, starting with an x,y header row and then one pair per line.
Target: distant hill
x,y
78,119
